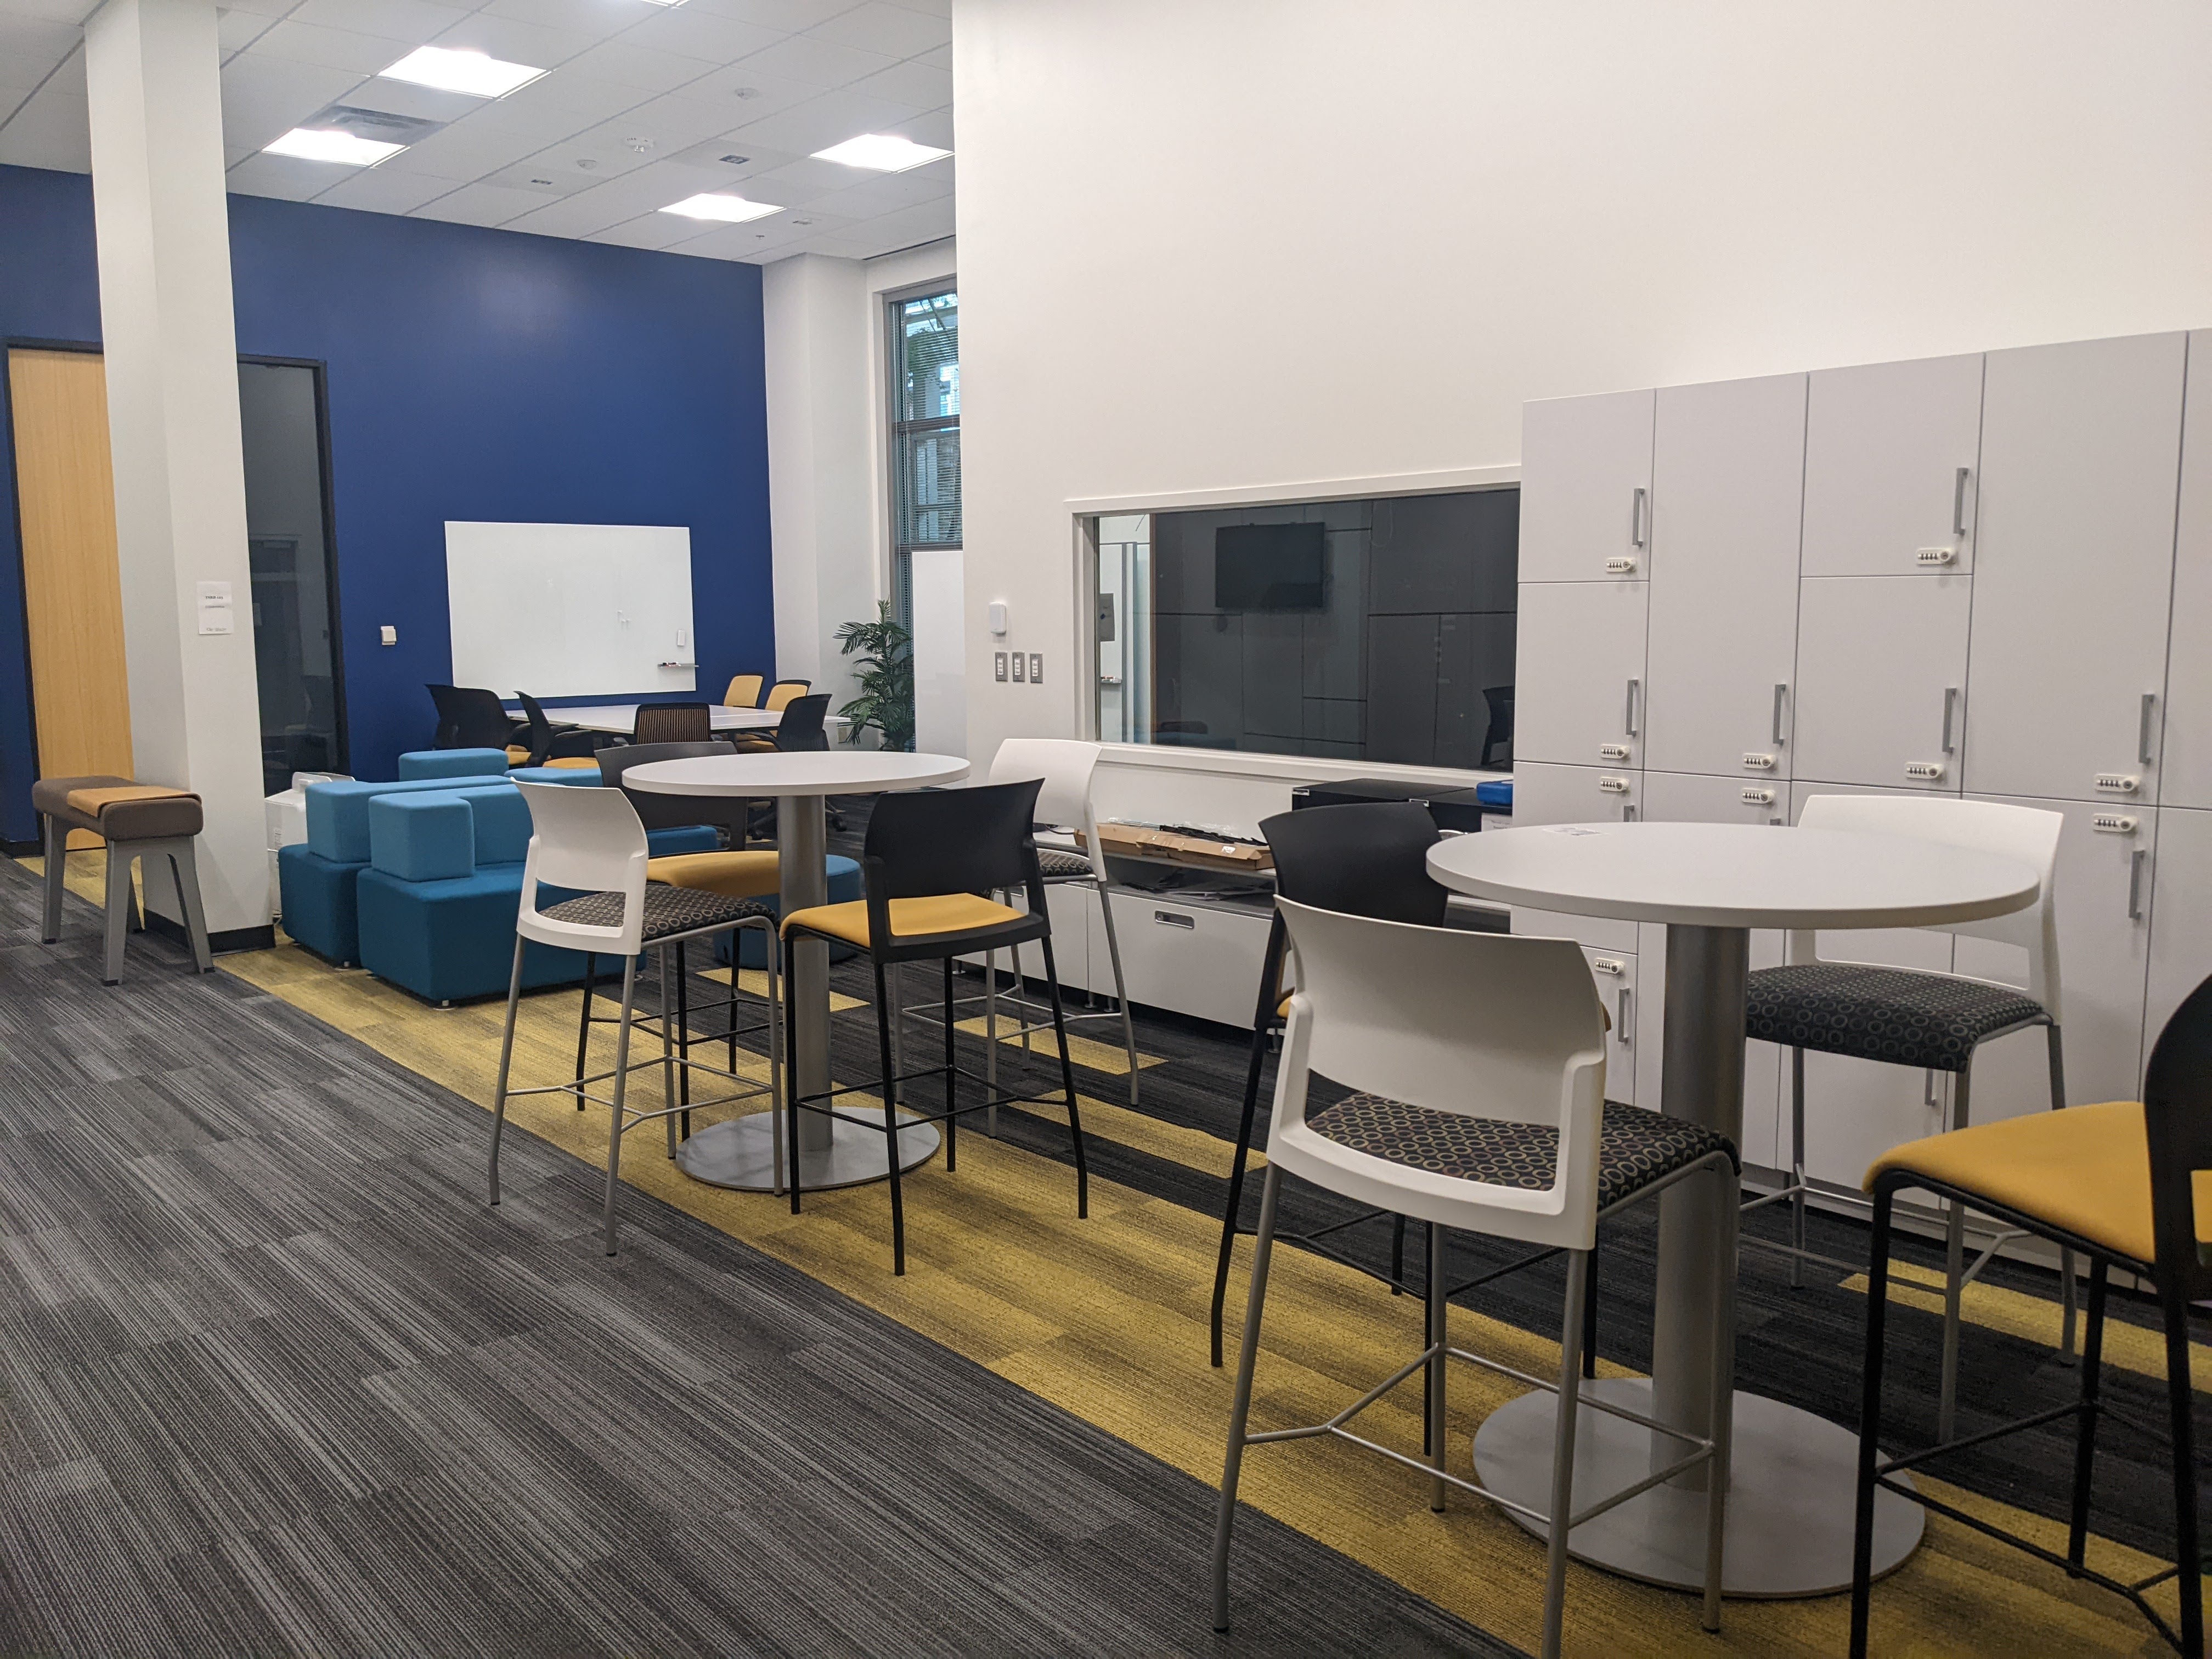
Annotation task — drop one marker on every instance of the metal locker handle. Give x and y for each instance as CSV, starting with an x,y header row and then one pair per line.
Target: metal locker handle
x,y
1781,698
1628,715
2137,860
1624,1032
2144,723
1169,918
1958,504
1637,533
1950,708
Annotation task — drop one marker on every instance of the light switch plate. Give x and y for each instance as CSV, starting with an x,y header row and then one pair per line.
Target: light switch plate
x,y
388,634
1037,668
998,665
1021,668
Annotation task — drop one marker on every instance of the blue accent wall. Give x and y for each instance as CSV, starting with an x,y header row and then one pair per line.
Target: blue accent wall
x,y
472,374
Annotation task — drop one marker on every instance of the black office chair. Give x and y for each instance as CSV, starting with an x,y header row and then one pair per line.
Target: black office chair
x,y
469,717
1366,859
672,722
802,729
929,855
1499,732
549,740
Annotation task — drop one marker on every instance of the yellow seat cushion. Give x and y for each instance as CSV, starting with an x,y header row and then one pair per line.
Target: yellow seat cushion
x,y
516,756
911,918
734,875
2085,1170
575,762
92,802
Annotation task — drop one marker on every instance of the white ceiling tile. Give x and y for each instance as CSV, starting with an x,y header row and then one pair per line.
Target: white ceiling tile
x,y
561,105
824,62
668,124
517,42
70,12
596,17
657,230
23,71
405,98
940,58
788,17
38,37
752,93
463,151
711,157
700,35
935,8
272,9
286,177
915,83
235,30
411,21
380,190
922,223
263,97
881,194
50,130
579,216
311,43
756,241
934,129
800,180
830,119
478,204
650,71
893,31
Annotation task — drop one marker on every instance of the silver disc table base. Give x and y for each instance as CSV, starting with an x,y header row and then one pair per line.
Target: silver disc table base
x,y
1790,1509
741,1154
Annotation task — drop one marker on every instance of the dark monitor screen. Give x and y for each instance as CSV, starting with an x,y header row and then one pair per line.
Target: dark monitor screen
x,y
1270,567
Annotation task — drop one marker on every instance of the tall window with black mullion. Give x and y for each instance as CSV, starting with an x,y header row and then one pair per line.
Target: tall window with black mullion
x,y
924,434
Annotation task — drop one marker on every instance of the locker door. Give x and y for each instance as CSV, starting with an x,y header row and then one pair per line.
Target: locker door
x,y
1614,972
1586,488
1891,451
1882,675
2081,452
2104,884
1728,495
1579,673
1574,795
2181,917
2185,764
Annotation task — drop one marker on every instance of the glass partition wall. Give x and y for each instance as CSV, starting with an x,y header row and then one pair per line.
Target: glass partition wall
x,y
1378,630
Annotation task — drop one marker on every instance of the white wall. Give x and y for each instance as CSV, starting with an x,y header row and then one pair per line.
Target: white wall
x,y
828,390
1364,236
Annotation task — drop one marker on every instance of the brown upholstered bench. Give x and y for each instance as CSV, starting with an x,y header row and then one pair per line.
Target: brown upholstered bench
x,y
138,821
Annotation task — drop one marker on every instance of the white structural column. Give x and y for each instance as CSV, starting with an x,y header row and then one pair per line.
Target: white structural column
x,y
151,70
822,423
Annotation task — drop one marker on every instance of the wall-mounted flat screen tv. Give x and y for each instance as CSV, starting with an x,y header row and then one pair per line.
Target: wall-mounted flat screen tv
x,y
1270,567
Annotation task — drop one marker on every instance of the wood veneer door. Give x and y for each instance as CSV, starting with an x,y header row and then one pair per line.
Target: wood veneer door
x,y
72,588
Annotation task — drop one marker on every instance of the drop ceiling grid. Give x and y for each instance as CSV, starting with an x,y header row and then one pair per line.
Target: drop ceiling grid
x,y
644,105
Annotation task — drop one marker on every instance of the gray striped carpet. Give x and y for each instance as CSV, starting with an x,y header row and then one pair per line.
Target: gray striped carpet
x,y
275,1381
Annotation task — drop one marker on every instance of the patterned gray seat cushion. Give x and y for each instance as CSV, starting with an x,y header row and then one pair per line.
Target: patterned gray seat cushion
x,y
1892,1014
1635,1148
1063,867
668,910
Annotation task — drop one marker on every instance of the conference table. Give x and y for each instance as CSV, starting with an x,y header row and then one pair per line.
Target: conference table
x,y
622,717
831,1152
1791,1489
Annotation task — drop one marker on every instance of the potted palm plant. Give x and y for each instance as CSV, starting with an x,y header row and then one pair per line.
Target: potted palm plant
x,y
886,704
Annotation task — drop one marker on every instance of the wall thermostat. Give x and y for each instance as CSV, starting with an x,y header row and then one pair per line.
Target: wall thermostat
x,y
999,617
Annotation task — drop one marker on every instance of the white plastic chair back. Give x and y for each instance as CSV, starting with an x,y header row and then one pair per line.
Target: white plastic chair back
x,y
586,839
1065,765
1500,1026
2025,834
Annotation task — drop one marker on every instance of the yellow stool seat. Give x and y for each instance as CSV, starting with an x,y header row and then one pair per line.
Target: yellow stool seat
x,y
734,875
516,756
2084,1170
911,918
575,762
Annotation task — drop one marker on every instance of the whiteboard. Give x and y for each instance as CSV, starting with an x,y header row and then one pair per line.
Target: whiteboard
x,y
570,610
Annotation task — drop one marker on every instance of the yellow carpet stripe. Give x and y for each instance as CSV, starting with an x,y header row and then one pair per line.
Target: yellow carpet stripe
x,y
1107,1319
1109,1057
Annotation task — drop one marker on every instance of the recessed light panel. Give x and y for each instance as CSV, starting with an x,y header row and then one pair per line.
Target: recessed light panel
x,y
313,144
880,153
728,209
471,72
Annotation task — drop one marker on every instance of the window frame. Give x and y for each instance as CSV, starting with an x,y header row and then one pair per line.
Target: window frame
x,y
899,580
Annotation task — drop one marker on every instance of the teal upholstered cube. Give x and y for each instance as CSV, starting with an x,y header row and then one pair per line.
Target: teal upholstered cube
x,y
338,813
580,777
425,836
418,763
502,823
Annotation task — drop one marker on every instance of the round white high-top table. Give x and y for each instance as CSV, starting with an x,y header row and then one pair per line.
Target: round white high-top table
x,y
1791,1491
830,1152
621,717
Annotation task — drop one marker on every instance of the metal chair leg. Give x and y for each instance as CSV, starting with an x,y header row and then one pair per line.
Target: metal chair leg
x,y
1240,1408
2180,1407
668,1067
505,1059
1797,1166
1235,1205
1121,990
1563,1452
57,877
683,1038
2085,1427
2069,1286
883,1042
1954,1271
118,911
622,1081
584,1025
991,1039
1589,1316
1438,1290
1068,1082
185,871
952,1121
1722,1408
1877,1307
778,1040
